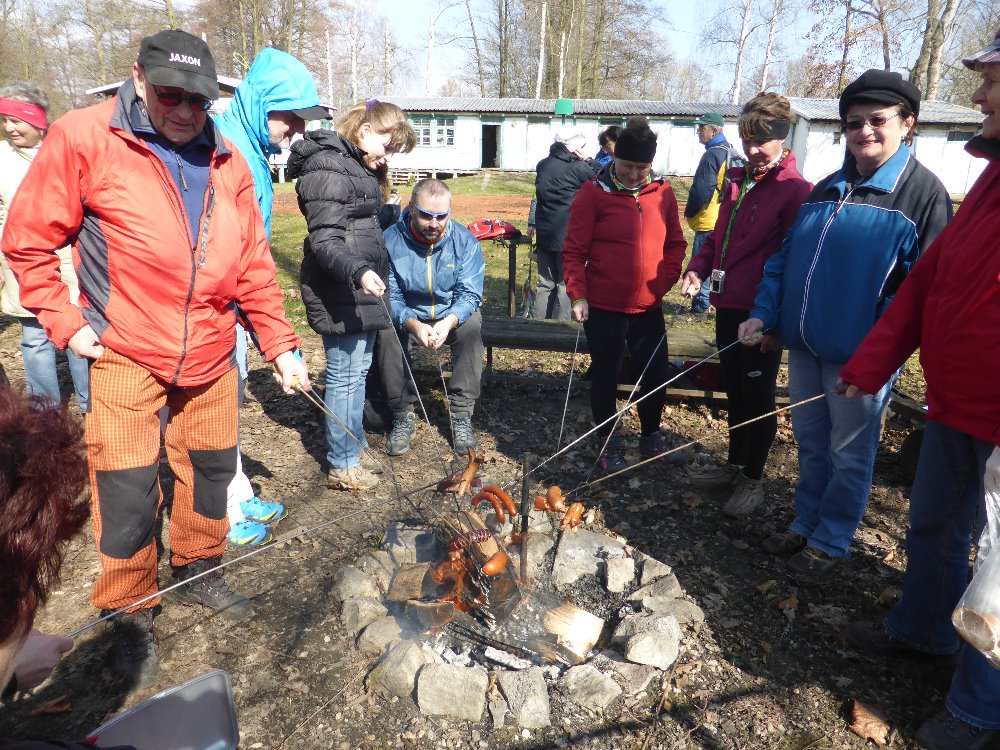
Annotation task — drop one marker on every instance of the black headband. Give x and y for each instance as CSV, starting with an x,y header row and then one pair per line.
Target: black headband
x,y
777,130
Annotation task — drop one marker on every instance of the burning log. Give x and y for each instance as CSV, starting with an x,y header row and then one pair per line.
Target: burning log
x,y
576,630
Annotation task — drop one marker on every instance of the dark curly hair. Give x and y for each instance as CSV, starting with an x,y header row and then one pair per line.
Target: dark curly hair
x,y
43,470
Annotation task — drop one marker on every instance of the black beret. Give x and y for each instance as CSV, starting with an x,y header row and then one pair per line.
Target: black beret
x,y
883,87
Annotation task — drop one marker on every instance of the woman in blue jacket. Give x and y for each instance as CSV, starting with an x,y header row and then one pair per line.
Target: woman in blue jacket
x,y
853,242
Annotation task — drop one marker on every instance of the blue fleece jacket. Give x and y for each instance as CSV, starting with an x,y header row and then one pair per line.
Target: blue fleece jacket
x,y
430,282
276,82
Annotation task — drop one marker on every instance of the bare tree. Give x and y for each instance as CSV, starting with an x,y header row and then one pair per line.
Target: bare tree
x,y
772,29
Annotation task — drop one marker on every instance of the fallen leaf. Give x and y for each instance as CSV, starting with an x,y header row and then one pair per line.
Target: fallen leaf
x,y
889,556
890,595
507,438
766,647
634,482
693,666
789,606
767,586
60,705
869,723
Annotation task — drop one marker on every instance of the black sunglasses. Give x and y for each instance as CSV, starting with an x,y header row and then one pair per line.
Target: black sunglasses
x,y
171,99
876,121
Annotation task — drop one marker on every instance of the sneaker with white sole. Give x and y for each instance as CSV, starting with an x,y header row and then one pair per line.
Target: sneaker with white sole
x,y
355,478
747,495
715,476
262,511
247,533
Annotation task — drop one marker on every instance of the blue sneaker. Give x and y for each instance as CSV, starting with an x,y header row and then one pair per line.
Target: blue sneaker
x,y
249,533
262,511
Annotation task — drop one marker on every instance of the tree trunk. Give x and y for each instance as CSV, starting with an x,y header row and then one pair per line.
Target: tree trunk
x,y
945,29
842,80
579,58
562,63
595,49
919,74
387,62
884,28
479,54
772,30
740,52
541,50
430,58
354,52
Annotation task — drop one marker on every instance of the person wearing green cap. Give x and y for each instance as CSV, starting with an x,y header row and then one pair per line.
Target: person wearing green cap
x,y
702,208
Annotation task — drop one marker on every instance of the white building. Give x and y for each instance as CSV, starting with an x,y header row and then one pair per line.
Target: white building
x,y
461,135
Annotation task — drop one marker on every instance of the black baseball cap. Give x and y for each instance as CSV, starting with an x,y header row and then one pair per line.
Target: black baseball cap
x,y
313,113
883,87
177,58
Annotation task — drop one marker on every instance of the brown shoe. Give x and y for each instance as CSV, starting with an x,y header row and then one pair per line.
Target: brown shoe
x,y
354,479
784,543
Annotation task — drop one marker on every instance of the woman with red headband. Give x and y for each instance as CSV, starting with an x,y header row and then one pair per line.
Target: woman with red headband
x,y
23,112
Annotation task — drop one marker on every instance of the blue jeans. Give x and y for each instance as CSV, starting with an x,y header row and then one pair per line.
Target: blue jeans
x,y
39,356
838,438
348,358
947,495
700,303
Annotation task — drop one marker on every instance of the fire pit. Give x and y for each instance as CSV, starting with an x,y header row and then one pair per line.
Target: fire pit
x,y
484,603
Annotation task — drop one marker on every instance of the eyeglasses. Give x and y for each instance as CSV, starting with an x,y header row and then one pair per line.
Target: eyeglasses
x,y
876,121
171,99
428,215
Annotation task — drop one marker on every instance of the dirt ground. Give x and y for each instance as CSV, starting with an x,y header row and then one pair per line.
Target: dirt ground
x,y
768,668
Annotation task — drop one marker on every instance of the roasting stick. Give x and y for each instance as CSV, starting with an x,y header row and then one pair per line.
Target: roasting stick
x,y
617,414
591,483
569,385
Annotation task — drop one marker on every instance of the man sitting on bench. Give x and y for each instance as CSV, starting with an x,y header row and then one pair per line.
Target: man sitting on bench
x,y
436,289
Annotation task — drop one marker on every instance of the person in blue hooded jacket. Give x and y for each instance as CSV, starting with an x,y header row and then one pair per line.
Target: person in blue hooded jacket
x,y
271,105
853,242
436,290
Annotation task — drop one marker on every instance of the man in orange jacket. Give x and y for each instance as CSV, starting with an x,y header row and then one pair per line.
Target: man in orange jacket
x,y
167,238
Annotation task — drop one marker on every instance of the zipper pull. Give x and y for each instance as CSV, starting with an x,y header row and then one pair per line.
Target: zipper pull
x,y
180,171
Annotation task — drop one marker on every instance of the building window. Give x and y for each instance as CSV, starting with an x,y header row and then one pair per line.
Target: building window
x,y
445,131
837,135
422,129
960,135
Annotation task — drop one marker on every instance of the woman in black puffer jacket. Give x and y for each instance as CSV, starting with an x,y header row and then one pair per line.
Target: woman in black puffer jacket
x,y
342,184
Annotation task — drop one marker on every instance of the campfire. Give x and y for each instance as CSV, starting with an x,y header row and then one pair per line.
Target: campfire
x,y
483,584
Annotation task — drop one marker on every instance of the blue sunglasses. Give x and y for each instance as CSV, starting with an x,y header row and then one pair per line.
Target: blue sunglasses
x,y
428,215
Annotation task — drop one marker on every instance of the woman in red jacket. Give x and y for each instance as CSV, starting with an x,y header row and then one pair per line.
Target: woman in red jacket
x,y
758,206
623,251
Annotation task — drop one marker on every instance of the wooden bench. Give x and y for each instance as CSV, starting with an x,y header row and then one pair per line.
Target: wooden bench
x,y
561,336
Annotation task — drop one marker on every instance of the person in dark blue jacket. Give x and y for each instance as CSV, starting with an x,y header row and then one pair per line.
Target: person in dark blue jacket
x,y
851,246
436,289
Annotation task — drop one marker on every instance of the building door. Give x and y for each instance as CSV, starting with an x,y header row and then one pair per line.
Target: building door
x,y
491,143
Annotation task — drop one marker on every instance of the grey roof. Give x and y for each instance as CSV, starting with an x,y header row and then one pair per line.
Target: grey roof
x,y
809,109
941,113
591,107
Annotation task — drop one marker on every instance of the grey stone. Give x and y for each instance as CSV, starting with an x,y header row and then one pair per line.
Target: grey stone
x,y
685,612
410,544
644,623
451,690
356,614
655,649
396,672
352,583
527,697
378,565
580,555
653,569
666,586
498,709
634,678
539,520
379,634
588,687
619,572
536,547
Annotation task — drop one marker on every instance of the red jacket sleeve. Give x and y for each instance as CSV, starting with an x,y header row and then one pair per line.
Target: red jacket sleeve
x,y
576,248
45,215
897,333
257,289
